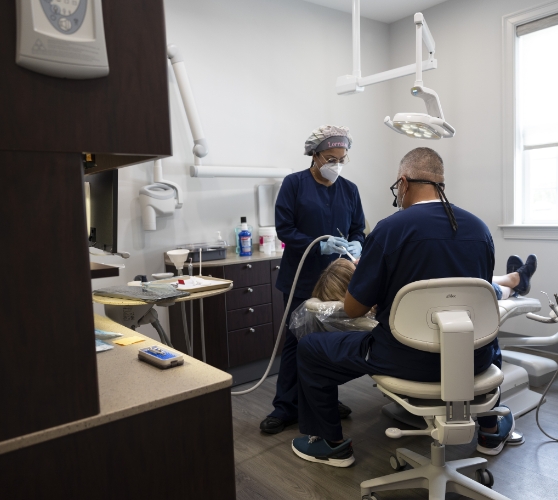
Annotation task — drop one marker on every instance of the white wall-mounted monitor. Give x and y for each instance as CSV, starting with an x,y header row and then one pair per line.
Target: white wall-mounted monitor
x,y
62,38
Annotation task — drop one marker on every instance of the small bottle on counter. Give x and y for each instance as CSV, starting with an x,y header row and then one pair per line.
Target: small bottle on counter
x,y
245,239
267,239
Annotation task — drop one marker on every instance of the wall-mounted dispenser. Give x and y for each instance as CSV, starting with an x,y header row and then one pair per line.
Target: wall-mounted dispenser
x,y
159,199
156,200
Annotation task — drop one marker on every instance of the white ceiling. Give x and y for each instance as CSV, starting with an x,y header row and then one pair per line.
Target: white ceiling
x,y
386,11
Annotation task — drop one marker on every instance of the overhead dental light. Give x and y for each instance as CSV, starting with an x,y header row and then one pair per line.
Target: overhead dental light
x,y
429,125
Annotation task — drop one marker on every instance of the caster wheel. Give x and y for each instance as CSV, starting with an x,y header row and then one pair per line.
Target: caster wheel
x,y
370,497
396,464
485,477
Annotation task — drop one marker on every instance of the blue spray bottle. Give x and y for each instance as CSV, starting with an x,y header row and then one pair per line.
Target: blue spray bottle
x,y
245,239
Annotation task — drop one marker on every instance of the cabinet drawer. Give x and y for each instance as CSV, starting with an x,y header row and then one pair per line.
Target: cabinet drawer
x,y
249,296
251,273
249,316
250,344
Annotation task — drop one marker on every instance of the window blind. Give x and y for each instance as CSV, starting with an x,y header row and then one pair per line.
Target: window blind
x,y
539,24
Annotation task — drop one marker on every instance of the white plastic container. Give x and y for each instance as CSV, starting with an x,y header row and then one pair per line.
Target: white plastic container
x,y
267,239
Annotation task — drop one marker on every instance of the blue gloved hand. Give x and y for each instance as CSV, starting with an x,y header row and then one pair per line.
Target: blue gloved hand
x,y
334,245
355,249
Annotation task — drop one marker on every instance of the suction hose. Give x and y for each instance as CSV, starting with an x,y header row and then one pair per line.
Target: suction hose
x,y
284,320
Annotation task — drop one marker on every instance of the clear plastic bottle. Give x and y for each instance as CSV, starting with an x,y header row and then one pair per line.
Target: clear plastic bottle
x,y
237,230
245,239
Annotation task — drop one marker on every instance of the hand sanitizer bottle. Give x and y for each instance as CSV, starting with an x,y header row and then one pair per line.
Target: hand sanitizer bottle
x,y
245,240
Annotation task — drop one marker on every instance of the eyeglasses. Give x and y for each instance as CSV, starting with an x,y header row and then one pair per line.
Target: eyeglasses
x,y
440,186
333,159
395,186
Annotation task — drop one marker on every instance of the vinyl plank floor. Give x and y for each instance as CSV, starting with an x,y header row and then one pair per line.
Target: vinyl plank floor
x,y
267,469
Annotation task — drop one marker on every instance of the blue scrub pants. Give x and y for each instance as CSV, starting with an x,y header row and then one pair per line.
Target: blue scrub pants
x,y
286,396
329,359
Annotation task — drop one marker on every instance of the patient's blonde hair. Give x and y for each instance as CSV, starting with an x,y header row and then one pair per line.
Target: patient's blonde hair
x,y
334,281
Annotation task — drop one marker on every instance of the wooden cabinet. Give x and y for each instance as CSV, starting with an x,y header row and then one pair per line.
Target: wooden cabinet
x,y
48,362
241,326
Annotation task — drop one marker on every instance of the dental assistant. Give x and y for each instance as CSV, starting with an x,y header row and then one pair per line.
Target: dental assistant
x,y
312,203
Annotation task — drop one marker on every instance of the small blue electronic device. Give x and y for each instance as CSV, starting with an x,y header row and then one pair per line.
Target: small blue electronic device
x,y
161,358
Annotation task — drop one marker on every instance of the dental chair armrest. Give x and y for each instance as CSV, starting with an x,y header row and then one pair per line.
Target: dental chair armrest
x,y
528,341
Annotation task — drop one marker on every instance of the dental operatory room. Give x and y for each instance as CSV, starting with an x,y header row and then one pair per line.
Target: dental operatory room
x,y
279,249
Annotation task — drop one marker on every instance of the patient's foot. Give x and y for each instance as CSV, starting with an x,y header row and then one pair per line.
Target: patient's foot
x,y
525,273
513,264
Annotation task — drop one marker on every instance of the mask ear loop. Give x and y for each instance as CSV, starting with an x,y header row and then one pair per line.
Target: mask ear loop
x,y
447,206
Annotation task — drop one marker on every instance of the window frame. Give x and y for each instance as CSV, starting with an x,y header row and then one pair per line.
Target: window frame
x,y
511,147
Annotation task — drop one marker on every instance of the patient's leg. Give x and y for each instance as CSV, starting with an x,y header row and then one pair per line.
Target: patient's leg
x,y
508,280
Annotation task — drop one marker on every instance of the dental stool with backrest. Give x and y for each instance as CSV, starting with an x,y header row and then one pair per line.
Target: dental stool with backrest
x,y
521,370
452,316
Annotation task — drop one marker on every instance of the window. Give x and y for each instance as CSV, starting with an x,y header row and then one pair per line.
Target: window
x,y
536,176
530,123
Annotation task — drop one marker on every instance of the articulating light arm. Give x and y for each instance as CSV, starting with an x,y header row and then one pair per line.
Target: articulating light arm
x,y
418,125
350,84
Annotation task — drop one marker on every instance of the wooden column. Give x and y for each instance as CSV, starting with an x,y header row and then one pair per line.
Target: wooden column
x,y
47,358
48,371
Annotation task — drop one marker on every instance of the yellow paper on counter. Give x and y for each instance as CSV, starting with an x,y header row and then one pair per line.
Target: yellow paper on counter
x,y
129,340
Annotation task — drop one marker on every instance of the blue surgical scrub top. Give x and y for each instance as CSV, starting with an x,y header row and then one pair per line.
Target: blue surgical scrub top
x,y
411,245
305,210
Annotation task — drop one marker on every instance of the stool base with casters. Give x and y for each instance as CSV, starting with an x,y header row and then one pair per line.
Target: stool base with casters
x,y
435,474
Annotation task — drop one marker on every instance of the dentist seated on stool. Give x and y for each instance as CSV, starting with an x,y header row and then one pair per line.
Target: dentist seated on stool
x,y
427,238
312,203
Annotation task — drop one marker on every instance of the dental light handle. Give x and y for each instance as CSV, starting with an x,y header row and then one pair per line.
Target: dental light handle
x,y
200,148
284,320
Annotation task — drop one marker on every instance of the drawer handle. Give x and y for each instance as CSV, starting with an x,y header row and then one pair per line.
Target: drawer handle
x,y
277,267
250,290
249,266
250,310
251,330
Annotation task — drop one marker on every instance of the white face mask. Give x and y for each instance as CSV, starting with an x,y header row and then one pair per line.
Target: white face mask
x,y
331,171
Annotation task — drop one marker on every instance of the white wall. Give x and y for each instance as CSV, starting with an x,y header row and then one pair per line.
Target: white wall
x,y
468,37
263,74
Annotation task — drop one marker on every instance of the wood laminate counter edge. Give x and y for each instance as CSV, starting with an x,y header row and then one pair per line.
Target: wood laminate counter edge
x,y
128,386
233,258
